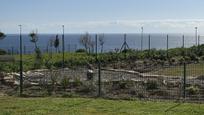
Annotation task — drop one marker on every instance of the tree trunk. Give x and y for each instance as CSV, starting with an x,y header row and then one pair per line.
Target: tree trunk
x,y
101,48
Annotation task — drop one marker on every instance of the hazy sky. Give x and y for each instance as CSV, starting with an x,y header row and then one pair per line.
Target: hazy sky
x,y
104,16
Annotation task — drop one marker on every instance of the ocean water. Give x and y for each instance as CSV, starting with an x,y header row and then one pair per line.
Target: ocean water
x,y
111,42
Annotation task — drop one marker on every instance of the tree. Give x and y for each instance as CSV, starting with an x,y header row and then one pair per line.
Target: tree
x,y
56,43
34,38
101,41
2,35
51,44
91,46
85,40
38,55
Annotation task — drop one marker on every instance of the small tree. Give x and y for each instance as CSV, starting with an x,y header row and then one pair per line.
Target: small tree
x,y
91,46
56,43
101,41
51,44
34,38
38,57
85,41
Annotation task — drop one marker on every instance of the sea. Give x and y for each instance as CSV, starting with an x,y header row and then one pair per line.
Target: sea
x,y
112,42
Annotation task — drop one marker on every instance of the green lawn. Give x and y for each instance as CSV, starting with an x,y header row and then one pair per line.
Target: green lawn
x,y
88,106
191,70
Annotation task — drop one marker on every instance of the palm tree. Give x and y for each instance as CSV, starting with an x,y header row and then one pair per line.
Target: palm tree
x,y
56,43
34,38
38,56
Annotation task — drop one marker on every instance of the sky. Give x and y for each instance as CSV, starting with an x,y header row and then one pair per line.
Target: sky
x,y
102,16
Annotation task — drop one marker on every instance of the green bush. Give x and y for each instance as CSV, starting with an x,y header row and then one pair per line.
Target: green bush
x,y
192,90
65,82
2,52
81,51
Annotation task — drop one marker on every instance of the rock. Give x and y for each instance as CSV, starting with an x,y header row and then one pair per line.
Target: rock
x,y
16,82
17,76
41,70
90,74
201,77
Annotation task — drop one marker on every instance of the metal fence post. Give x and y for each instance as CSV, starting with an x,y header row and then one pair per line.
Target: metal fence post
x,y
99,66
149,45
62,46
142,37
184,70
184,80
167,46
21,64
99,79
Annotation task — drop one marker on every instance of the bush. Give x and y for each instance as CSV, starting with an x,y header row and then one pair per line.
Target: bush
x,y
202,58
123,85
80,51
192,90
38,59
65,82
2,52
151,85
77,82
87,87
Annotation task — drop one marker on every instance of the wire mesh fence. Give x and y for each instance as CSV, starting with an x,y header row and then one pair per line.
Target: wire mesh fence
x,y
173,73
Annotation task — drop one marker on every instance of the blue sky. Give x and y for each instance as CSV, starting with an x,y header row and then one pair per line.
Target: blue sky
x,y
104,16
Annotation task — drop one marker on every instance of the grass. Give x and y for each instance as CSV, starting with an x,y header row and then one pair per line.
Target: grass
x,y
90,106
191,70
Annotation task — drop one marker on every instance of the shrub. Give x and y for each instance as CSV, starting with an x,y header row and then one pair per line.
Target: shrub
x,y
2,52
202,58
151,85
192,90
80,51
38,59
65,82
123,85
87,87
53,77
77,82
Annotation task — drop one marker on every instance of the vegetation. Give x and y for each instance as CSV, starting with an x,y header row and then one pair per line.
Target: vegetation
x,y
151,85
191,70
86,41
2,52
65,82
101,41
38,55
81,51
56,43
192,90
175,60
87,106
2,35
